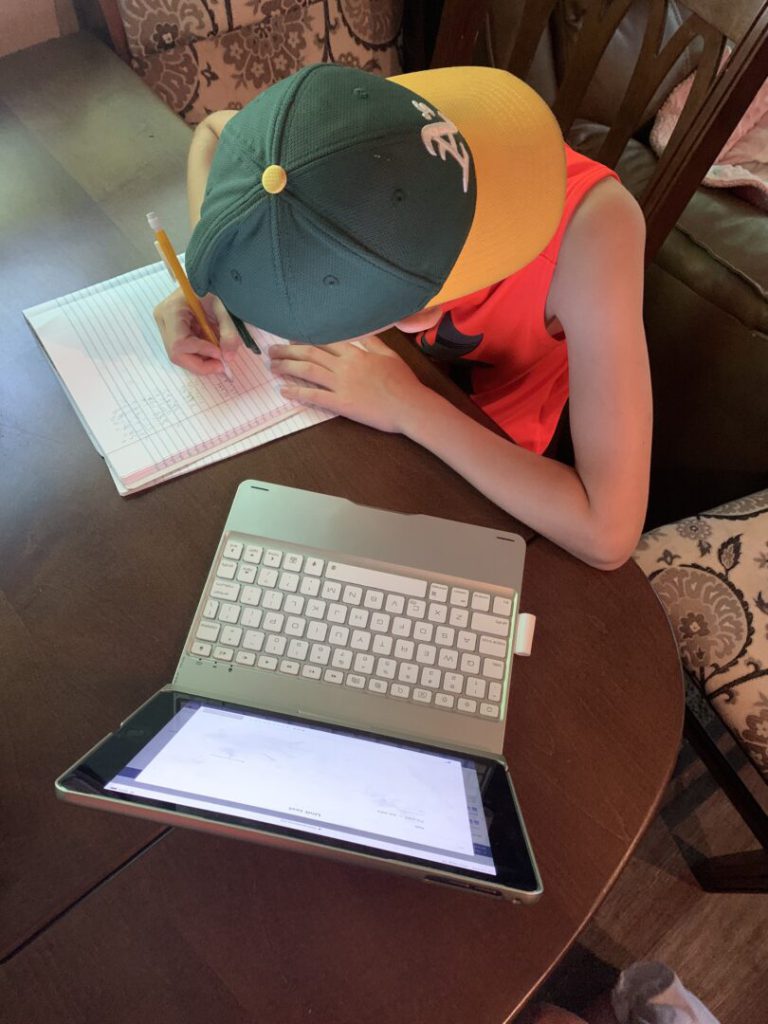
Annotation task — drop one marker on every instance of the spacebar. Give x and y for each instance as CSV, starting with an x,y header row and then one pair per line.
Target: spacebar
x,y
373,578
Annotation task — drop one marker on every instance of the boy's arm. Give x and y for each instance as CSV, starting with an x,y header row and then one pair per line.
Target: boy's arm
x,y
205,139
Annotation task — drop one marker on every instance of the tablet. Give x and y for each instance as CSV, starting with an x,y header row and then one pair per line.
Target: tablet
x,y
314,787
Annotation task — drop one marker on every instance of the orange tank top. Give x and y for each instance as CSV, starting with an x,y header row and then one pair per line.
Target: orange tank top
x,y
519,371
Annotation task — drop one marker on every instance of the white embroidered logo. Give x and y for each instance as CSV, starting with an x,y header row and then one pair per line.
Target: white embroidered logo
x,y
439,139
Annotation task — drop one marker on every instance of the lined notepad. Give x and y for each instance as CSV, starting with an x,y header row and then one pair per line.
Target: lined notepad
x,y
148,418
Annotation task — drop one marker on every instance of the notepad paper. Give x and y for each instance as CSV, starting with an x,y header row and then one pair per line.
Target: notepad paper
x,y
152,420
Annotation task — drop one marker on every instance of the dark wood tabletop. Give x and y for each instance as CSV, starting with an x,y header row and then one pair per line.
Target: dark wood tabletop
x,y
108,918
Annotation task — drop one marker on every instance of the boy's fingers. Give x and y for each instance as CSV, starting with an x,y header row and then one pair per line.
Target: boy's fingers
x,y
229,338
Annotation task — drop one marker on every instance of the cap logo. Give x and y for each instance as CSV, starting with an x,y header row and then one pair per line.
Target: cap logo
x,y
439,139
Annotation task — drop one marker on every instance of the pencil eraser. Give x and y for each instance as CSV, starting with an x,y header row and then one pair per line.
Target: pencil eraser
x,y
153,220
526,623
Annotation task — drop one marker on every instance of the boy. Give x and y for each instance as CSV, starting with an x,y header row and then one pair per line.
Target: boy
x,y
444,202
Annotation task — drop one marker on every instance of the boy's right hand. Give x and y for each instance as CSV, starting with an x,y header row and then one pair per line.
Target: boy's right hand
x,y
183,336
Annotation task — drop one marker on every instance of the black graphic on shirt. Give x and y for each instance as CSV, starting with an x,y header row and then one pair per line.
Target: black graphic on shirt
x,y
445,340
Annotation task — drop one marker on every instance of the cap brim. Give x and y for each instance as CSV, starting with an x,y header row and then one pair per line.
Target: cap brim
x,y
519,160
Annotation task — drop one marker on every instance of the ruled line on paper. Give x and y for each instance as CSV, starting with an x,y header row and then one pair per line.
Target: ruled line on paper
x,y
149,418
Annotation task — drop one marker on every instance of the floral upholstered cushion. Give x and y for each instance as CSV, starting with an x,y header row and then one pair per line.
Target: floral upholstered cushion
x,y
710,573
206,55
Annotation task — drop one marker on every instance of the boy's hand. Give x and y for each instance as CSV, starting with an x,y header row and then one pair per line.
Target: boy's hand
x,y
363,380
183,337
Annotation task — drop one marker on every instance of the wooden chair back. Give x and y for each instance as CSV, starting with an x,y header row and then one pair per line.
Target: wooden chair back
x,y
719,95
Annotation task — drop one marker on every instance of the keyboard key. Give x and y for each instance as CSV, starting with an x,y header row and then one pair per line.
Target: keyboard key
x,y
470,663
382,644
226,570
459,597
459,617
201,649
332,675
246,573
267,661
374,599
375,579
229,613
445,635
494,692
275,644
423,631
225,591
404,649
386,668
447,657
267,577
438,592
293,604
291,668
377,685
341,658
331,591
251,595
223,653
492,646
453,682
416,609
273,622
426,654
311,671
480,602
253,640
394,604
317,631
211,607
493,669
489,710
493,624
319,654
379,622
253,554
358,617
208,631
423,696
363,663
288,581
338,636
230,636
400,690
466,641
431,677
467,705
408,672
272,600
295,626
502,606
273,557
358,682
337,613
297,650
444,700
437,613
314,566
293,563
251,617
360,641
352,595
401,626
309,586
245,658
315,609
475,687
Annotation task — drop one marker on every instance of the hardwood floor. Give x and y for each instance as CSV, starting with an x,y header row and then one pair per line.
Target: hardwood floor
x,y
717,943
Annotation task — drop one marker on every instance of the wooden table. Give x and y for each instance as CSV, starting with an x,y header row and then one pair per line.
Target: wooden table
x,y
103,918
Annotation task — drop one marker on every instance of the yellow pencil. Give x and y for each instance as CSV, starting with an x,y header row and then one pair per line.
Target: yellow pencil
x,y
163,245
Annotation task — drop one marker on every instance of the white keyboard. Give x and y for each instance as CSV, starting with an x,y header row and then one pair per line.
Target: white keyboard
x,y
402,637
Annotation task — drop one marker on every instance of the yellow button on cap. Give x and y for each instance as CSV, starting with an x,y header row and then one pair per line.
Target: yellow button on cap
x,y
274,179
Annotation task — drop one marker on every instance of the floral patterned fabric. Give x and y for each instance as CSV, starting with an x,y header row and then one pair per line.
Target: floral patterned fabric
x,y
710,572
206,55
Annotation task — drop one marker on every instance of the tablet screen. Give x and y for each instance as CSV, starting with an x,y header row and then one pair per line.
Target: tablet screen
x,y
368,791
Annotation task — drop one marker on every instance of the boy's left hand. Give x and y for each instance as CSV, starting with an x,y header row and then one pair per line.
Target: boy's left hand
x,y
363,380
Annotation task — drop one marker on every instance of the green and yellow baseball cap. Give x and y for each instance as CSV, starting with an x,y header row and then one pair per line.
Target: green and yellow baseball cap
x,y
339,202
